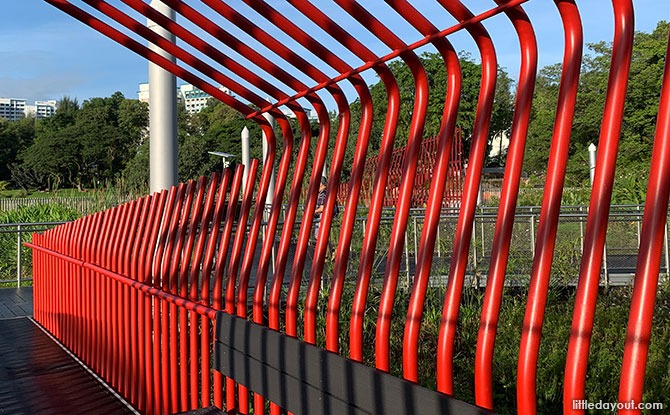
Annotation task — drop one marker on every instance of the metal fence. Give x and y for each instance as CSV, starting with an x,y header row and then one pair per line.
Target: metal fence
x,y
116,307
15,265
618,266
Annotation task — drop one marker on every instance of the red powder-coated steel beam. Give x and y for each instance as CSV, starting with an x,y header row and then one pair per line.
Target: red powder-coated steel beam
x,y
440,175
459,257
506,210
596,223
551,204
638,335
400,220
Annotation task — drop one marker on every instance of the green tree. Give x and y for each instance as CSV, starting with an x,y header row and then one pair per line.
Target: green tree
x,y
84,146
15,136
639,120
437,76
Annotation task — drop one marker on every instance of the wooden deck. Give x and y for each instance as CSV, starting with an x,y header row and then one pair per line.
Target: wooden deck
x,y
37,376
16,302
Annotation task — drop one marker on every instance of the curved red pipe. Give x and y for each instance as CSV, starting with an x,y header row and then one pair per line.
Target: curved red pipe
x,y
551,204
349,216
638,335
596,223
437,186
459,257
506,211
404,200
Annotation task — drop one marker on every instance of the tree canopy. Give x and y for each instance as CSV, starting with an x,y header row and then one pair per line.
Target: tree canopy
x,y
639,121
104,140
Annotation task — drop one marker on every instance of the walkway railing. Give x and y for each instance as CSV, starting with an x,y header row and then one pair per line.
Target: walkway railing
x,y
133,290
12,259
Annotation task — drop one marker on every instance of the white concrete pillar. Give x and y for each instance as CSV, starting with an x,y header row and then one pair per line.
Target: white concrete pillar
x,y
162,113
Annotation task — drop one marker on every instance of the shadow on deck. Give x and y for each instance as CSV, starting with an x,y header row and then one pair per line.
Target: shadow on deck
x,y
37,376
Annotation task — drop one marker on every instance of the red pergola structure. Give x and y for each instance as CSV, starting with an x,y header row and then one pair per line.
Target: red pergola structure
x,y
134,291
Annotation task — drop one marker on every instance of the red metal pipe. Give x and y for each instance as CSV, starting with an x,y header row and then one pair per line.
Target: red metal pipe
x,y
217,297
638,334
115,295
154,57
145,288
178,222
234,262
194,278
467,24
338,157
136,303
188,288
459,257
596,222
210,228
551,204
404,200
146,322
440,176
130,233
506,211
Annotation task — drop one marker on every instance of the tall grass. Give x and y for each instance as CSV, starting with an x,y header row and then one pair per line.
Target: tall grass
x,y
604,360
9,239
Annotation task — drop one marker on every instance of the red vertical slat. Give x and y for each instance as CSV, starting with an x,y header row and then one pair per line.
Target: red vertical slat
x,y
549,214
596,223
506,211
459,257
645,286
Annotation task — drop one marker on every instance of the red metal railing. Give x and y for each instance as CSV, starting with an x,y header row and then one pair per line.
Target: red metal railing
x,y
133,290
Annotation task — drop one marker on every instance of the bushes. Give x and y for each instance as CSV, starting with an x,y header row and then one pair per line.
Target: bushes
x,y
8,238
605,353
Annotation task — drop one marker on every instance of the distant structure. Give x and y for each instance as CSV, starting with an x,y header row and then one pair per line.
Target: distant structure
x,y
193,98
42,109
12,109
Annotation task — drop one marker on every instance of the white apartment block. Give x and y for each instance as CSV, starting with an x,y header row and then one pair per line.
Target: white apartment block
x,y
42,109
12,109
193,98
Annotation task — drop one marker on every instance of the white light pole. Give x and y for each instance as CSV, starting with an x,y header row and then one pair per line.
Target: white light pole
x,y
246,158
271,190
592,161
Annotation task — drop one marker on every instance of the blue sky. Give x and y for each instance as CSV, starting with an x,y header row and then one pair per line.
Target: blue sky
x,y
46,54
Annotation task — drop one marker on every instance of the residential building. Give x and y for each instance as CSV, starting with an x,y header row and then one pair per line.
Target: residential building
x,y
12,109
41,109
194,99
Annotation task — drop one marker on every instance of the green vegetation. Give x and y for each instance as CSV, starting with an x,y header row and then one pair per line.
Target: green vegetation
x,y
639,122
605,354
8,240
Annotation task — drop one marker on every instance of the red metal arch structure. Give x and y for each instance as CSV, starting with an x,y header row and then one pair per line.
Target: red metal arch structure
x,y
135,291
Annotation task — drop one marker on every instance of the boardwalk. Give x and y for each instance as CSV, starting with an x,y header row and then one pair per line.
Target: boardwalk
x,y
36,375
